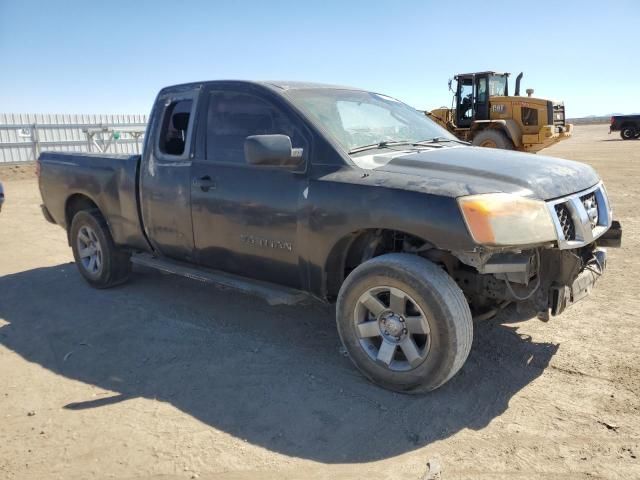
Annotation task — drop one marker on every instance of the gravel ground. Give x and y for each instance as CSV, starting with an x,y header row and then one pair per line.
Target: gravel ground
x,y
168,378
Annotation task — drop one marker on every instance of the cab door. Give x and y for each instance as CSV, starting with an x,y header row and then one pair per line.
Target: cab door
x,y
246,217
165,175
465,106
481,102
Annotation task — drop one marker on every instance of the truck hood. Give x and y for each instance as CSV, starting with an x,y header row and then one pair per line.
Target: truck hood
x,y
458,171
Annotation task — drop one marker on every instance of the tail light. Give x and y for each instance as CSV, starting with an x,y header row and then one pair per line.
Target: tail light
x,y
37,168
611,120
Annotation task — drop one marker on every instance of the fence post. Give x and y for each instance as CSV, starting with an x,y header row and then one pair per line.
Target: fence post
x,y
35,141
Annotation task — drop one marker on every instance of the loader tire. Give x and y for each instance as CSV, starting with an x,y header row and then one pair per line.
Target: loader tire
x,y
492,138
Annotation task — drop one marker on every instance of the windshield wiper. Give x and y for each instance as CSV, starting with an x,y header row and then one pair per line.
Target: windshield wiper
x,y
441,139
433,142
382,144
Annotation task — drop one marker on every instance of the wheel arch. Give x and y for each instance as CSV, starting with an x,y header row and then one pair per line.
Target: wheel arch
x,y
358,246
78,202
509,127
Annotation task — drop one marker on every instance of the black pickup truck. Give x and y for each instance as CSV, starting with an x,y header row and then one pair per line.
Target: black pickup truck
x,y
349,195
627,125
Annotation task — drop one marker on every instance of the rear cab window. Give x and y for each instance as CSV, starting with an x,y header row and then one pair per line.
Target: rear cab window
x,y
176,127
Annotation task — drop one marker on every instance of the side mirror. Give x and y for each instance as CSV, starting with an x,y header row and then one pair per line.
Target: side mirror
x,y
271,151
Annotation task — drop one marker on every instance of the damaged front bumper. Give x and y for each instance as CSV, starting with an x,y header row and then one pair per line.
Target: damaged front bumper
x,y
554,279
563,296
547,279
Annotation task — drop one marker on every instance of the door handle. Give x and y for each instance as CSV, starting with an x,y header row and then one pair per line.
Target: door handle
x,y
205,183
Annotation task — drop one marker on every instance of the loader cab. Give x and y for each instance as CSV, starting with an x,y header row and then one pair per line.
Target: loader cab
x,y
472,95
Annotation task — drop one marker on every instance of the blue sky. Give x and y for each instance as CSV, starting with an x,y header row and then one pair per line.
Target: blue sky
x,y
112,57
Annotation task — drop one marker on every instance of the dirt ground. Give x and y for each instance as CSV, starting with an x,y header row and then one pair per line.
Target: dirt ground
x,y
169,378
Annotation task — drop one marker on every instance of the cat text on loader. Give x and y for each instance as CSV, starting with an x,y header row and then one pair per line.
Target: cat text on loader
x,y
484,114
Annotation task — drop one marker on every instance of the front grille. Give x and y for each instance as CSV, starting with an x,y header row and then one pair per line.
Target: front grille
x,y
566,223
558,114
581,218
591,206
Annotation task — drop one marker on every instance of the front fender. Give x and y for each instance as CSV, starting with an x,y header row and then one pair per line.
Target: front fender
x,y
333,212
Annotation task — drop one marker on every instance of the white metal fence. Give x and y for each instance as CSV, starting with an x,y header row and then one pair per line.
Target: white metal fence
x,y
24,136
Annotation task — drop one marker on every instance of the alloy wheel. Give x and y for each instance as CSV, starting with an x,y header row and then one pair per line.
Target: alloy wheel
x,y
89,250
392,328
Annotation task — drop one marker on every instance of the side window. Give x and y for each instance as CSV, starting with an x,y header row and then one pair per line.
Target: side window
x,y
481,95
232,117
173,133
529,116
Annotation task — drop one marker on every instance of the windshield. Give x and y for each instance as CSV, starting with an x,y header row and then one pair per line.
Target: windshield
x,y
356,118
497,85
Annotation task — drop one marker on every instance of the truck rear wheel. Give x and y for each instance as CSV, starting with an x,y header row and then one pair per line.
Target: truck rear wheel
x,y
628,132
98,260
404,322
492,138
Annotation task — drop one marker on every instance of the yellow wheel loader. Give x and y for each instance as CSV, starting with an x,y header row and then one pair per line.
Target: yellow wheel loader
x,y
484,114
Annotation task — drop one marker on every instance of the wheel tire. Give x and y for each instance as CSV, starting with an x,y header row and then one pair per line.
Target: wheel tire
x,y
492,138
628,133
429,289
113,265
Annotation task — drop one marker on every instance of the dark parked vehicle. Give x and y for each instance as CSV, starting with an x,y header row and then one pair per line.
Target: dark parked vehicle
x,y
627,125
346,194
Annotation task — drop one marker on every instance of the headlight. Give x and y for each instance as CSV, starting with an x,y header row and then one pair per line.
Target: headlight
x,y
502,219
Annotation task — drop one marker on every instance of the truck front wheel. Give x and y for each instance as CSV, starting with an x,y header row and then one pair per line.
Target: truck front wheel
x,y
404,323
492,138
98,260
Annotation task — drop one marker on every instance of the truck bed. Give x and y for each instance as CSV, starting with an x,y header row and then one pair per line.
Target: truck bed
x,y
109,181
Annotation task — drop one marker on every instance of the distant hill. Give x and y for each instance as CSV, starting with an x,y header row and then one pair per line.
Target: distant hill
x,y
591,119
